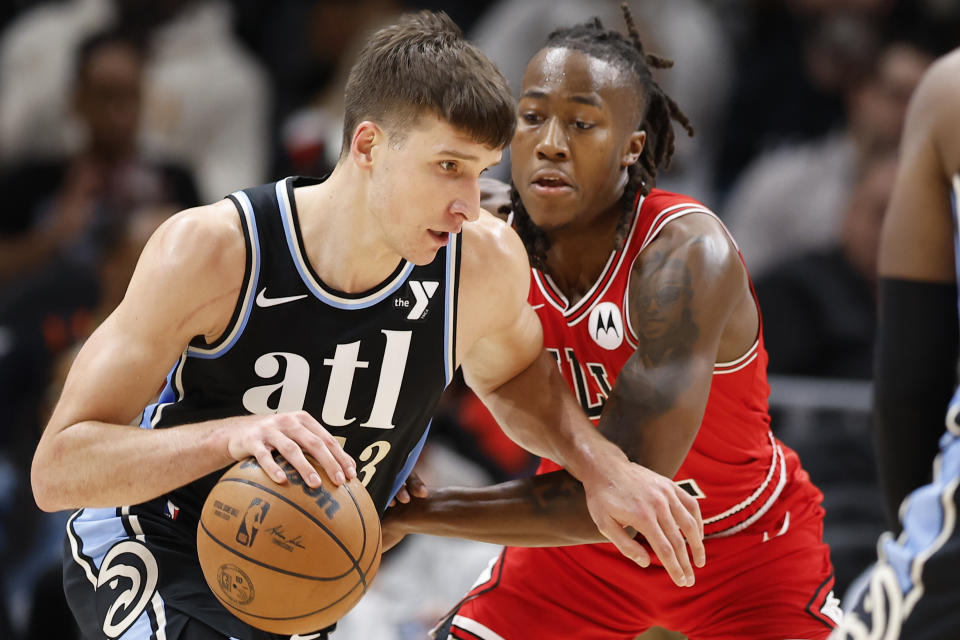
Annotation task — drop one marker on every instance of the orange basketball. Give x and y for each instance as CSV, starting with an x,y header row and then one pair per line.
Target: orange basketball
x,y
287,558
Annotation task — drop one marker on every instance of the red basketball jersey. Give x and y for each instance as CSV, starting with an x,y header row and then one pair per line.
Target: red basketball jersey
x,y
735,467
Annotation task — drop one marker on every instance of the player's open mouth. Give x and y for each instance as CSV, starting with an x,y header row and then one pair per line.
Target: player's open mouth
x,y
442,236
550,183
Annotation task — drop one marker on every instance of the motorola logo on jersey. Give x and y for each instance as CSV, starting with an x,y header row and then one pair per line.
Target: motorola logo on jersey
x,y
606,325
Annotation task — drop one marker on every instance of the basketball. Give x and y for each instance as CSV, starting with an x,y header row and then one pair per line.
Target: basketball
x,y
287,558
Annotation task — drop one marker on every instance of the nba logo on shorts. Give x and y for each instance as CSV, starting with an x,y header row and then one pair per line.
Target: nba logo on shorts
x,y
605,325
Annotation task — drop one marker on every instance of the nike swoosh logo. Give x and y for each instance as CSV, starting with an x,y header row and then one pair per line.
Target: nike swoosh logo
x,y
297,636
264,302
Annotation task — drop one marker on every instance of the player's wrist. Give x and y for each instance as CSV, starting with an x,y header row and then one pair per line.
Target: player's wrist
x,y
595,461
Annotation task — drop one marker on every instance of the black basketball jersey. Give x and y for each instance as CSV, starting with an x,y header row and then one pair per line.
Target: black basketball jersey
x,y
370,366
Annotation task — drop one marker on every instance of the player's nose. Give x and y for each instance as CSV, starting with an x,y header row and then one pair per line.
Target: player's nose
x,y
552,144
467,206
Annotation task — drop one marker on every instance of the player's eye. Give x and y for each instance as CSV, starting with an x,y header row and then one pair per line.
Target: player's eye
x,y
448,165
583,125
531,118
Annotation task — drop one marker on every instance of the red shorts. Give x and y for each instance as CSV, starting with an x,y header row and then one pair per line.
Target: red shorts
x,y
769,582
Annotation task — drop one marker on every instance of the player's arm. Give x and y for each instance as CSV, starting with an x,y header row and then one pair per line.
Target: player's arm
x,y
186,284
509,370
917,330
548,510
684,288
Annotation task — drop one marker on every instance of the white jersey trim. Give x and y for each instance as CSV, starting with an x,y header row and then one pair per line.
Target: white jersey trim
x,y
477,629
246,304
743,361
318,290
549,289
777,463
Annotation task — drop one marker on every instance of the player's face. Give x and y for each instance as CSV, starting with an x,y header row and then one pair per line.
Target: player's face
x,y
576,125
427,187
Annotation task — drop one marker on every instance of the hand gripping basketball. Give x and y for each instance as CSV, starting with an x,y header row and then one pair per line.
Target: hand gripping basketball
x,y
287,558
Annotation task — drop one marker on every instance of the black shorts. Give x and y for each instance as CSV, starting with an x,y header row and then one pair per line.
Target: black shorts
x,y
914,589
133,574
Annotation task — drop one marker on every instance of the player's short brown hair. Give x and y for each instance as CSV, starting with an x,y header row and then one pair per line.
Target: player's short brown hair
x,y
423,64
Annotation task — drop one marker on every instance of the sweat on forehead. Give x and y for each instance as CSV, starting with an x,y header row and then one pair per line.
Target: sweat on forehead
x,y
573,71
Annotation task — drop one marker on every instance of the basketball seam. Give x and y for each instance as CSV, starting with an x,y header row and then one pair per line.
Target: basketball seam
x,y
343,547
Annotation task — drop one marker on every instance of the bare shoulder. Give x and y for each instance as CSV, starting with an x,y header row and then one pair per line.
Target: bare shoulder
x,y
494,280
206,241
492,252
702,242
935,111
191,271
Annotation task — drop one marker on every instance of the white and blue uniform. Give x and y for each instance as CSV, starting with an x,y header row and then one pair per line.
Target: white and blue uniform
x,y
371,367
913,592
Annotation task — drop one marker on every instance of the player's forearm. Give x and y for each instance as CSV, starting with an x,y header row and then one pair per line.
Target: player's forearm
x,y
547,510
538,411
913,382
654,415
94,464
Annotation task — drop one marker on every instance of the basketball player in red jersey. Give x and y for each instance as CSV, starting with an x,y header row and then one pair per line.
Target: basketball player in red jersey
x,y
648,310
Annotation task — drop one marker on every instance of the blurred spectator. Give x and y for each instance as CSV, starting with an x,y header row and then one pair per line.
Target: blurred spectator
x,y
206,100
796,60
464,425
69,240
686,31
67,207
311,133
819,309
789,200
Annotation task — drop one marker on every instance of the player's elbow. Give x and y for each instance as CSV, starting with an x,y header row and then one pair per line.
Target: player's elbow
x,y
46,490
43,494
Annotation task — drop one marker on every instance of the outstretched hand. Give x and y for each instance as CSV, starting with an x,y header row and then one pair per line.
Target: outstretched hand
x,y
632,497
390,527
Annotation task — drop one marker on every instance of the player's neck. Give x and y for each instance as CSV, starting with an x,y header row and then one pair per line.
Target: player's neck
x,y
578,253
343,241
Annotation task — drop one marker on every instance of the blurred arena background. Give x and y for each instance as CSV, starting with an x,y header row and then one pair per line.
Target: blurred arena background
x,y
114,114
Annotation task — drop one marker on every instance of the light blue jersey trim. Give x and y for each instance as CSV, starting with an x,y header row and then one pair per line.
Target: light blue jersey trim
x,y
449,315
299,260
168,395
929,520
99,541
409,464
237,331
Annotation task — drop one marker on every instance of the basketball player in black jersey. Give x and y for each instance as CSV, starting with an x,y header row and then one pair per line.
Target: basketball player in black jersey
x,y
913,591
322,318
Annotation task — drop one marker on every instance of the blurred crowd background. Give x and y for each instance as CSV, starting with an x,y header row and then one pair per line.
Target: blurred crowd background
x,y
114,114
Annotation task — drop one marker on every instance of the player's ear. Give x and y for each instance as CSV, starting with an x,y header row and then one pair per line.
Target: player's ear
x,y
366,137
633,148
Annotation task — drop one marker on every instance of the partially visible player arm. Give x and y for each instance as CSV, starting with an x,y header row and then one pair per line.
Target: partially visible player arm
x,y
917,330
518,381
684,288
186,284
684,291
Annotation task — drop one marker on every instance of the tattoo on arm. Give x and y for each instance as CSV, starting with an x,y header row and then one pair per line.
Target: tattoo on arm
x,y
549,489
661,301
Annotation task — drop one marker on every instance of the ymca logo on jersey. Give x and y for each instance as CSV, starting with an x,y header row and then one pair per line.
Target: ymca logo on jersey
x,y
605,325
421,293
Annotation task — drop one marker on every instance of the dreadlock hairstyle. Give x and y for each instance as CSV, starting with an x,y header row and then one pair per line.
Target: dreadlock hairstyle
x,y
659,110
